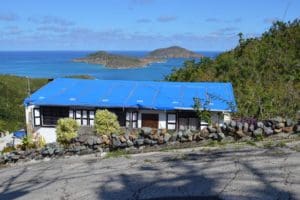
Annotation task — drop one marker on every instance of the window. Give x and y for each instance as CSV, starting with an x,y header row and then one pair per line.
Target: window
x,y
132,119
171,121
91,117
83,117
37,116
51,114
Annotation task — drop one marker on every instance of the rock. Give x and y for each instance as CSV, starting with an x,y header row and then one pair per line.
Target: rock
x,y
239,125
190,138
245,127
154,136
139,142
160,140
213,136
146,131
276,130
90,141
147,141
187,133
153,142
82,138
97,141
167,137
297,128
221,136
122,138
126,136
129,143
132,136
179,134
114,135
258,132
45,152
268,131
211,129
240,133
204,133
173,137
251,128
287,129
279,125
260,124
233,123
197,137
105,139
289,122
183,139
116,142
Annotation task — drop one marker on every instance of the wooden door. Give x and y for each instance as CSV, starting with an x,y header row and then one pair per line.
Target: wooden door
x,y
150,120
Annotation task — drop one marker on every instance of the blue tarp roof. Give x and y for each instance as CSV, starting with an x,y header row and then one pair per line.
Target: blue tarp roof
x,y
134,94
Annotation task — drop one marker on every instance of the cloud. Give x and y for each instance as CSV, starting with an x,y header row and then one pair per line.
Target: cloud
x,y
55,29
217,20
271,20
166,18
11,30
143,20
212,20
54,20
227,31
8,17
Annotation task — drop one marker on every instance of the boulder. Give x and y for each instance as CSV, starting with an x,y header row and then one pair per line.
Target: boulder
x,y
147,141
211,129
233,123
187,133
239,133
260,124
245,127
146,131
268,131
213,136
278,130
297,128
251,128
279,125
221,135
179,134
278,119
287,129
129,143
289,122
139,142
258,132
167,137
204,133
239,125
160,139
122,138
197,137
116,142
90,141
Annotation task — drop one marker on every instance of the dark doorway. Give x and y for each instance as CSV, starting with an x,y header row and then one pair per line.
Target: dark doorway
x,y
150,120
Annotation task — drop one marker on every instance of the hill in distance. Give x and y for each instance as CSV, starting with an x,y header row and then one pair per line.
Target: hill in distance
x,y
121,61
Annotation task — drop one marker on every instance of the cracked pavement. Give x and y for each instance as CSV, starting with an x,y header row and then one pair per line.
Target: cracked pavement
x,y
230,173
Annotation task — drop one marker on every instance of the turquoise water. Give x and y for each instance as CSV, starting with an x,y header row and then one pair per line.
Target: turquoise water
x,y
53,64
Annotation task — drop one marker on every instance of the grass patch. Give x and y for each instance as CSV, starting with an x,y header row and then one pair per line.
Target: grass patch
x,y
251,142
179,157
117,153
214,143
268,144
281,144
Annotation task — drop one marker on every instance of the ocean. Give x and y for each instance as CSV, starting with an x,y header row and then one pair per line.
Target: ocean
x,y
54,64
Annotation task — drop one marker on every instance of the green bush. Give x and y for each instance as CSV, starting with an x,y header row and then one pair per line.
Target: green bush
x,y
28,143
66,130
106,122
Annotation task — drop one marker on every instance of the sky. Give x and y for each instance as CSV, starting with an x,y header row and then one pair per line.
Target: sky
x,y
201,25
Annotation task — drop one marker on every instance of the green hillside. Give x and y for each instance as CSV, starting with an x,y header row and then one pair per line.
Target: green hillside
x,y
13,90
265,72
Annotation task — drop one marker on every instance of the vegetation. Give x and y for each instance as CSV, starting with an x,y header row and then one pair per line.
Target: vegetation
x,y
173,52
33,142
203,113
13,91
264,71
106,123
117,153
66,130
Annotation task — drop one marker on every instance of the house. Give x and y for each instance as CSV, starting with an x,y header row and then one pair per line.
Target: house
x,y
161,105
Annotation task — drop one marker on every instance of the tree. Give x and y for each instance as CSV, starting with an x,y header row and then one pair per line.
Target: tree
x,y
106,123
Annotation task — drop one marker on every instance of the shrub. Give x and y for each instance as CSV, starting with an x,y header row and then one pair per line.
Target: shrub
x,y
27,142
8,149
66,130
106,122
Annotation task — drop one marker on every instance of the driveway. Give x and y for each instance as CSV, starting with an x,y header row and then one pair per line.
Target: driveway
x,y
231,173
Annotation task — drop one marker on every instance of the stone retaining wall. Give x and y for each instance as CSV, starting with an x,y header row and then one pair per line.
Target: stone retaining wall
x,y
137,139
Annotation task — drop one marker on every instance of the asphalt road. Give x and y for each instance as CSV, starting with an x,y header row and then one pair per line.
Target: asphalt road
x,y
234,173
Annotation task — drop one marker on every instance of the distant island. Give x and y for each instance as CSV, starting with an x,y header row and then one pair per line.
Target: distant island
x,y
121,61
